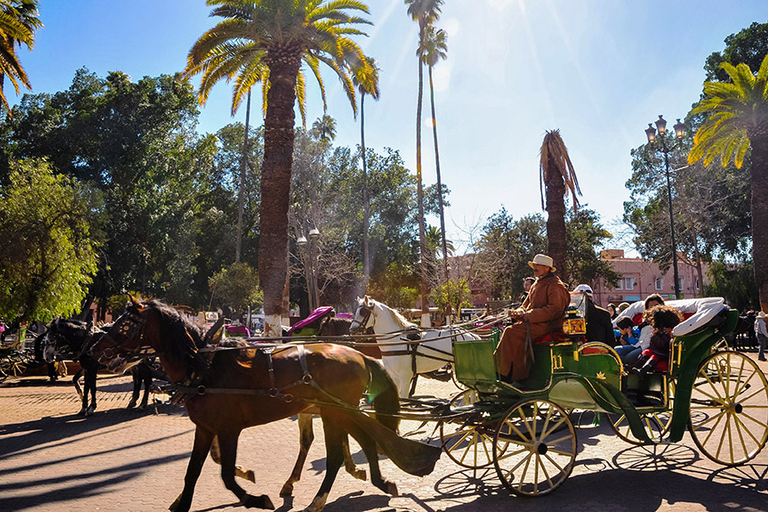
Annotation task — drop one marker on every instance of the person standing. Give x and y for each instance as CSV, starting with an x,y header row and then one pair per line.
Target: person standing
x,y
543,310
527,283
599,321
762,335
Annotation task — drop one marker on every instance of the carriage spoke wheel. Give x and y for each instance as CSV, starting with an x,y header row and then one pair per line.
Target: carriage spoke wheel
x,y
729,408
535,448
656,424
466,442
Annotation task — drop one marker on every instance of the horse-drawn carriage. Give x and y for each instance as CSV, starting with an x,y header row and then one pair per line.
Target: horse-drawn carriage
x,y
524,429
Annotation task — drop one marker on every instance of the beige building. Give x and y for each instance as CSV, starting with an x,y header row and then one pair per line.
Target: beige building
x,y
641,278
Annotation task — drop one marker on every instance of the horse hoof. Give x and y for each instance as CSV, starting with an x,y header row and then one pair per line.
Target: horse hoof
x,y
250,476
131,404
176,505
89,411
287,490
360,474
82,412
392,489
317,504
262,501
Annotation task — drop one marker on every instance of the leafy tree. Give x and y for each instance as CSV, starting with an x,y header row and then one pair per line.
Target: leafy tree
x,y
366,79
747,46
237,287
425,13
557,177
734,282
585,236
47,258
433,49
738,121
452,296
266,41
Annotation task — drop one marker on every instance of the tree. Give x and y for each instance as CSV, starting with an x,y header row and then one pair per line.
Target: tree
x,y
738,121
747,46
452,296
47,258
266,41
366,78
324,128
585,236
18,23
432,50
557,177
237,287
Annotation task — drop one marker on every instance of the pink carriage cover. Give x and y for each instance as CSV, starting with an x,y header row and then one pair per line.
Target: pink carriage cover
x,y
312,318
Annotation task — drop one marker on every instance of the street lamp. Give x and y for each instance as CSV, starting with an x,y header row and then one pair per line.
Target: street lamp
x,y
310,264
650,132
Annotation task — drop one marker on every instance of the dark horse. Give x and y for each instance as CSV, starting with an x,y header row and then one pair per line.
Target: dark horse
x,y
232,389
71,339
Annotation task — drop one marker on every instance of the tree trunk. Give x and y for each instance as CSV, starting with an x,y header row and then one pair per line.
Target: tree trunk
x,y
275,188
439,182
425,321
241,188
759,207
555,192
366,199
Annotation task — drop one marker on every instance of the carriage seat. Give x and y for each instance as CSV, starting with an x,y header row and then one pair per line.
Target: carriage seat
x,y
554,337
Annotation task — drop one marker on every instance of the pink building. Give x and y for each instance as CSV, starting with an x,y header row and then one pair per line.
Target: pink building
x,y
641,278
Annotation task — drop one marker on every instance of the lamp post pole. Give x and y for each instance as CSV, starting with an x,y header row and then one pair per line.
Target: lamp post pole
x,y
314,233
650,132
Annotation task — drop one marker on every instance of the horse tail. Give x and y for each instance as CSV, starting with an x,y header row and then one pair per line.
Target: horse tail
x,y
383,393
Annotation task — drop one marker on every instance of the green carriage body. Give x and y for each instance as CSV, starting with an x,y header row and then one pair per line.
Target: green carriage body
x,y
590,376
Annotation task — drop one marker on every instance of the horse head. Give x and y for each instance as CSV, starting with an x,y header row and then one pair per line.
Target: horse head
x,y
364,317
64,336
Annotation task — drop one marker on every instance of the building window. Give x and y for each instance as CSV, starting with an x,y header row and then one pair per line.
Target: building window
x,y
659,283
629,282
620,285
681,280
698,285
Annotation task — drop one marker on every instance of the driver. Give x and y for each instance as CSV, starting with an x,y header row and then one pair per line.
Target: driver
x,y
543,309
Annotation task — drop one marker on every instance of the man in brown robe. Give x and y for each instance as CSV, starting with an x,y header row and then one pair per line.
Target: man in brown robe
x,y
544,309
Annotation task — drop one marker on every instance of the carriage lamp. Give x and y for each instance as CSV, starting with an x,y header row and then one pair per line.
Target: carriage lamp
x,y
663,147
574,323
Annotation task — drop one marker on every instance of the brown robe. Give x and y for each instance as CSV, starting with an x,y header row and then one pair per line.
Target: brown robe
x,y
545,307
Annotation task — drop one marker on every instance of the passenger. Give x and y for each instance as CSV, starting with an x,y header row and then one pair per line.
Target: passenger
x,y
630,357
611,307
543,309
527,283
663,319
599,326
762,335
622,307
628,338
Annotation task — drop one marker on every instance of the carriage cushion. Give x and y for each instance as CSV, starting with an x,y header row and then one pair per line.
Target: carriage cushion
x,y
555,337
238,330
313,317
661,366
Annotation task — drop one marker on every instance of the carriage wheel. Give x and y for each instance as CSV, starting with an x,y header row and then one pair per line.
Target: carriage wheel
x,y
466,443
729,408
656,424
535,448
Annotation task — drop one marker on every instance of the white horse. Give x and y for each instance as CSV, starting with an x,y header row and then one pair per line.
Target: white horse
x,y
404,361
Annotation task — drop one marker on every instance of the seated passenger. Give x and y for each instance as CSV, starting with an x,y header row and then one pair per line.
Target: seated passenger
x,y
629,357
628,337
663,319
543,309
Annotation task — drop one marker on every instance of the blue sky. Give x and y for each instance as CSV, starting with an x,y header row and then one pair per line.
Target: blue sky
x,y
597,70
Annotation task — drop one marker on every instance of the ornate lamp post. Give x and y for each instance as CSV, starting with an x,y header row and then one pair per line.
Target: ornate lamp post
x,y
650,132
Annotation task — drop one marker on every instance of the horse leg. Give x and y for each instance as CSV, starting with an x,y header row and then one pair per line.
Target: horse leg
x,y
306,436
90,385
349,464
76,383
334,437
228,446
146,377
136,388
245,474
368,444
203,439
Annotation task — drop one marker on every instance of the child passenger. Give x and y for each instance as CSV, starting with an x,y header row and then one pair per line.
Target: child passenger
x,y
663,319
628,336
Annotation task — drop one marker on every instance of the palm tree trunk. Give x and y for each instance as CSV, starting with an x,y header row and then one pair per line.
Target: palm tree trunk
x,y
241,188
425,321
759,207
366,199
555,191
437,168
275,188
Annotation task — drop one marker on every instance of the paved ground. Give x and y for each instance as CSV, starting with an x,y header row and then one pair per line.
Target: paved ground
x,y
130,460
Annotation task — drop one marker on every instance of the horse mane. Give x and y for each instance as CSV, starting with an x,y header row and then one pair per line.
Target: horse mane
x,y
396,315
181,335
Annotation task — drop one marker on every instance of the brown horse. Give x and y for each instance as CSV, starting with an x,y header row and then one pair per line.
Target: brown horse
x,y
233,389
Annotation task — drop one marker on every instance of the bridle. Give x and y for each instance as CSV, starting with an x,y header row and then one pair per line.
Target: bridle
x,y
366,312
126,335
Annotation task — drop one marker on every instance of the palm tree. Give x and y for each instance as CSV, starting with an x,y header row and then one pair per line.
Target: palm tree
x,y
425,12
18,23
266,41
366,78
432,50
738,120
324,128
556,178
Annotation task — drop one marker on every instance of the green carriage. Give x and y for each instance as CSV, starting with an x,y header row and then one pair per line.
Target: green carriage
x,y
524,429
